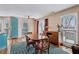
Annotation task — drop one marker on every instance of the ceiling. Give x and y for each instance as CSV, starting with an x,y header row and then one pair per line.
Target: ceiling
x,y
32,10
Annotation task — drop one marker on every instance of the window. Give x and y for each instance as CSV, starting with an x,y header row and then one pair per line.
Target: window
x,y
0,24
6,24
69,36
41,28
69,22
69,28
25,26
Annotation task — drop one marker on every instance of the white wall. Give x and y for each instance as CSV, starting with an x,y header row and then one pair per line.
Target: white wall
x,y
30,25
20,27
55,18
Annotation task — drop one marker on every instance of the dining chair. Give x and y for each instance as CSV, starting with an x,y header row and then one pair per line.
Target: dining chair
x,y
29,43
42,45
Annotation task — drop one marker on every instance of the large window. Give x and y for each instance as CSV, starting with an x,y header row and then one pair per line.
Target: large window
x,y
0,24
69,22
25,26
6,24
69,28
69,36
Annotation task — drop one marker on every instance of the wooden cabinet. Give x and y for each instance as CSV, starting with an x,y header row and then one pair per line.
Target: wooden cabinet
x,y
54,38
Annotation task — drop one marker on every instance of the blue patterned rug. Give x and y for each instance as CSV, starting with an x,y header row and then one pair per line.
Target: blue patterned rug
x,y
21,49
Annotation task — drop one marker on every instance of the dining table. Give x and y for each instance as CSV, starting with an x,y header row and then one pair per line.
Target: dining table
x,y
41,44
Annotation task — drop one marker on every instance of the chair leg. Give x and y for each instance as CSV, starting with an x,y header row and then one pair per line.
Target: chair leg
x,y
48,50
27,47
36,51
41,51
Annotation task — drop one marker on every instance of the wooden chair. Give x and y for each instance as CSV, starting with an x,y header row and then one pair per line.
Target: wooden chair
x,y
42,45
28,43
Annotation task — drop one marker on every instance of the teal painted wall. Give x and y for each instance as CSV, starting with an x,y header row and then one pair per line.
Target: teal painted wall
x,y
3,40
14,27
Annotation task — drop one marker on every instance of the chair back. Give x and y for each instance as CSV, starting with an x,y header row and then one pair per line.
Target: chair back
x,y
43,44
27,39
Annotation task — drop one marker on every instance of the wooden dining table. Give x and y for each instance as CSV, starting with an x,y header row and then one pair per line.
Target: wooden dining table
x,y
40,45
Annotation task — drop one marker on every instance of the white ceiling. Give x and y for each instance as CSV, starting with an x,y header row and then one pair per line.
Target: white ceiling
x,y
32,10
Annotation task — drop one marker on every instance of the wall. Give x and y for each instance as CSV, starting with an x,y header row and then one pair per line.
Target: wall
x,y
20,27
57,18
35,29
31,27
14,27
54,18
